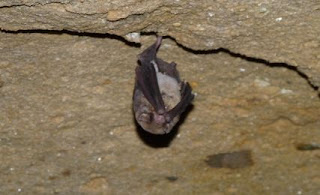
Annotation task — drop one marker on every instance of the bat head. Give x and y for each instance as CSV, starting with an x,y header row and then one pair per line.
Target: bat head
x,y
155,123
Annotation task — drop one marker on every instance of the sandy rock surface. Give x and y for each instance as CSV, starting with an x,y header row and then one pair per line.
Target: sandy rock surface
x,y
67,77
67,126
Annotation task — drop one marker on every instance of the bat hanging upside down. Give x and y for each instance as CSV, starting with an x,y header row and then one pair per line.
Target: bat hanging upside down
x,y
159,95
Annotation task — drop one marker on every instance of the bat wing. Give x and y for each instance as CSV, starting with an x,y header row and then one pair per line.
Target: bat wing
x,y
147,77
148,83
168,69
186,98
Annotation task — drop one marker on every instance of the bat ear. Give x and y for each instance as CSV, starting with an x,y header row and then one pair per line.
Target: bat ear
x,y
150,53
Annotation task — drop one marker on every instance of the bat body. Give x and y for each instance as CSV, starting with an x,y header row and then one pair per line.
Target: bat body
x,y
159,95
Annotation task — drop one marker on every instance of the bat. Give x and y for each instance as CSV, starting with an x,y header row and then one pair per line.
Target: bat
x,y
159,95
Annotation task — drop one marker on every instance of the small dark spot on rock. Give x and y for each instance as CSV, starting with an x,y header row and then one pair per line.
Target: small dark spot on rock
x,y
83,142
305,147
42,158
66,173
106,82
52,177
254,101
232,160
172,178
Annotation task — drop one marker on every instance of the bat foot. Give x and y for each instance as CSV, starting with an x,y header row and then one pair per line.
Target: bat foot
x,y
158,43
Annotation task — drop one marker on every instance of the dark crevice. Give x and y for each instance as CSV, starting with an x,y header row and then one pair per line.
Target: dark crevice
x,y
244,57
80,34
30,4
198,52
271,64
251,59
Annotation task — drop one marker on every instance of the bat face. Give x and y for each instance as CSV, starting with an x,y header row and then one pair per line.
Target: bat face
x,y
159,96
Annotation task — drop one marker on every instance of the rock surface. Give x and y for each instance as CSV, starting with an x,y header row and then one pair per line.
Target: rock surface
x,y
66,82
275,31
66,124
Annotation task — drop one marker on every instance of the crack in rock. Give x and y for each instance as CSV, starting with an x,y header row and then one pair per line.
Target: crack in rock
x,y
214,51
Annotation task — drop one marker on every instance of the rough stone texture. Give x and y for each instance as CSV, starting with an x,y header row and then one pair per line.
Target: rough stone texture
x,y
66,125
276,31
